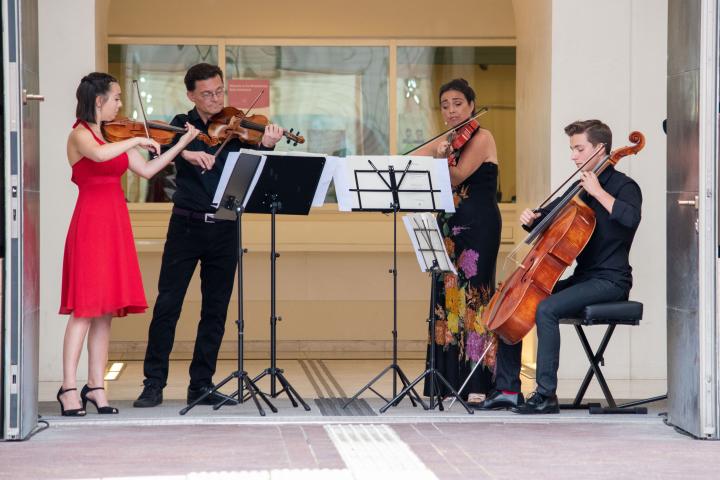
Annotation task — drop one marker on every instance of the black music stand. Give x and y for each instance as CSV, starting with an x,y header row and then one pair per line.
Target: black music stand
x,y
383,190
286,185
432,256
236,184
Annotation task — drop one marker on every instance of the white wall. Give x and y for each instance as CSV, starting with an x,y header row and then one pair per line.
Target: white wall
x,y
67,52
609,62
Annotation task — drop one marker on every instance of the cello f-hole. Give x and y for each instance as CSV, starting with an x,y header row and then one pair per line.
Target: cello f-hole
x,y
527,269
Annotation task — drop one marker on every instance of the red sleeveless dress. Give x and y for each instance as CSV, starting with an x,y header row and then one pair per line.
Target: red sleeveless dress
x,y
101,274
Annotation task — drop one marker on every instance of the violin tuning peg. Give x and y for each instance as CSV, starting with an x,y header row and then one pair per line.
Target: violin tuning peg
x,y
291,130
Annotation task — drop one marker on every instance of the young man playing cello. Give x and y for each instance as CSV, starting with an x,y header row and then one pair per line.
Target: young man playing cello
x,y
602,274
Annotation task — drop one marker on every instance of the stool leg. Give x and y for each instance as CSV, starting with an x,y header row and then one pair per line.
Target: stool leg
x,y
596,359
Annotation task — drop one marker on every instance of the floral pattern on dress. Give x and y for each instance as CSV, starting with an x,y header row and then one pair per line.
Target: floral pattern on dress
x,y
460,309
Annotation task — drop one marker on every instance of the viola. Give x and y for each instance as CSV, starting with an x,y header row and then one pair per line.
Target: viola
x,y
163,133
559,238
232,122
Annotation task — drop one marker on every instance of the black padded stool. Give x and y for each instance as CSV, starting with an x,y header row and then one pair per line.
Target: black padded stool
x,y
610,314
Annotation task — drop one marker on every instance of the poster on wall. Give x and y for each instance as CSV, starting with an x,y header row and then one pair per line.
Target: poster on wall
x,y
243,92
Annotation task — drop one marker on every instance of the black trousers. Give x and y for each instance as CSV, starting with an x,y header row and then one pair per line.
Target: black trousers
x,y
569,298
188,241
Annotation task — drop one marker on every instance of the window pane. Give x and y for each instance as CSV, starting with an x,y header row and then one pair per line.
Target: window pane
x,y
159,70
491,73
337,97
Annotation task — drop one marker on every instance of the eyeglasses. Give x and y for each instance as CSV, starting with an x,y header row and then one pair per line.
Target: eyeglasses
x,y
219,93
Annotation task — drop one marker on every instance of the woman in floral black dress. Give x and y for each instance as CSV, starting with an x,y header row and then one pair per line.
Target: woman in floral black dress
x,y
472,238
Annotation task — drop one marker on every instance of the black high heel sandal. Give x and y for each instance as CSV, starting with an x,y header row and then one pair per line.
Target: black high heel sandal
x,y
74,412
101,410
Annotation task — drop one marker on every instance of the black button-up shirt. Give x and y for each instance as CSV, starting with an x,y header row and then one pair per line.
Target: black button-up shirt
x,y
195,190
607,253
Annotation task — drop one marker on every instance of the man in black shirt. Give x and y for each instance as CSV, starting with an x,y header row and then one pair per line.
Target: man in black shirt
x,y
194,235
602,273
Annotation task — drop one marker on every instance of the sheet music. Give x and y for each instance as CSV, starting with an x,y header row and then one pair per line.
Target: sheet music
x,y
255,179
442,172
341,178
355,172
325,179
230,161
427,241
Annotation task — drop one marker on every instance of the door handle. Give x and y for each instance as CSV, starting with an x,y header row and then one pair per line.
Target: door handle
x,y
692,203
31,96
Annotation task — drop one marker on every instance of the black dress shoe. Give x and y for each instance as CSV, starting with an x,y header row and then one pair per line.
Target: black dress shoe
x,y
151,396
539,403
500,401
214,398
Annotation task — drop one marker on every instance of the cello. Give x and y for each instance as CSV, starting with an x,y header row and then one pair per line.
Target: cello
x,y
558,238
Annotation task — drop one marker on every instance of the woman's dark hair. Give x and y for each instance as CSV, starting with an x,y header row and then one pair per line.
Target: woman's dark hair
x,y
91,86
459,85
201,71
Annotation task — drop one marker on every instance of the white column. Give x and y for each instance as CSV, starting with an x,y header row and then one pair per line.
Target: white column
x,y
67,52
533,26
609,62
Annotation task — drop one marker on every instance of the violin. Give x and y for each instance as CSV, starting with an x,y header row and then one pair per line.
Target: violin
x,y
457,139
558,239
163,133
457,136
232,122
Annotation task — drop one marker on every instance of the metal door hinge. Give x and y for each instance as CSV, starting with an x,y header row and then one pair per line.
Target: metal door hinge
x,y
14,206
14,372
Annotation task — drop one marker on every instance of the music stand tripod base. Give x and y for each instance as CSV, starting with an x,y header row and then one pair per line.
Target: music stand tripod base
x,y
394,367
435,377
238,177
273,372
244,381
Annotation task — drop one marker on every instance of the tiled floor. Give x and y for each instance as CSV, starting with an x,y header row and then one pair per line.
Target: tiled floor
x,y
329,442
445,450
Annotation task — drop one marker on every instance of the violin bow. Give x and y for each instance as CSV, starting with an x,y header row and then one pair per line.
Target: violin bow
x,y
597,150
153,155
483,110
252,105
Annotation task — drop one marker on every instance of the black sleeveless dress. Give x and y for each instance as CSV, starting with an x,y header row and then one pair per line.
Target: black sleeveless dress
x,y
472,238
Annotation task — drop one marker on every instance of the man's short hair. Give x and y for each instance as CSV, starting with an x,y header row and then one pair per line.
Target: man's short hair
x,y
596,131
201,71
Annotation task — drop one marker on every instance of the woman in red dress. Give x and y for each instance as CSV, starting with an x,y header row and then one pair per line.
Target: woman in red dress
x,y
101,276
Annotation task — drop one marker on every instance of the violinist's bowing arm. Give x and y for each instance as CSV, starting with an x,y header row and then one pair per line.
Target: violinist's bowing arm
x,y
82,144
147,169
428,150
201,159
